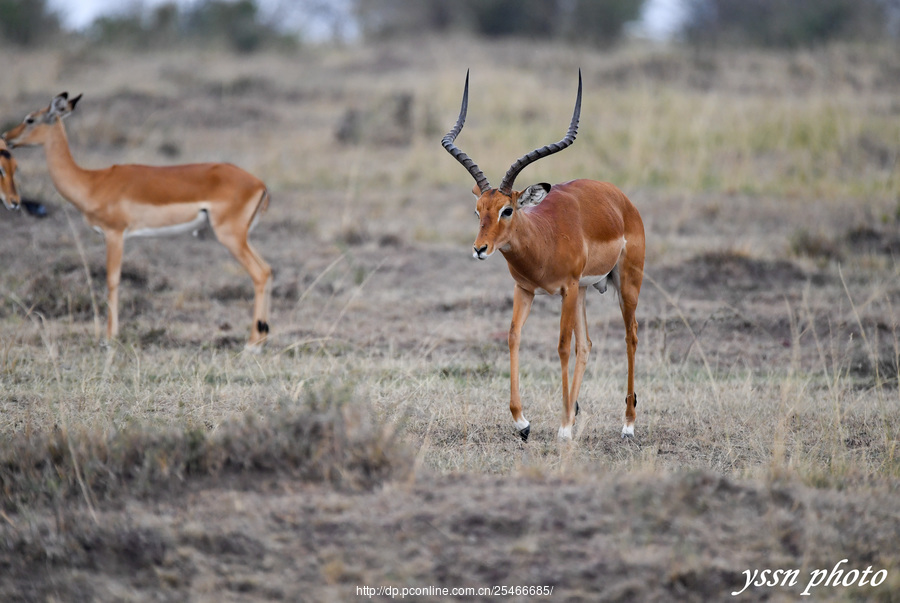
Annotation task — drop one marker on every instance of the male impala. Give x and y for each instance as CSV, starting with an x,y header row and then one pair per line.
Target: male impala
x,y
560,240
138,200
8,193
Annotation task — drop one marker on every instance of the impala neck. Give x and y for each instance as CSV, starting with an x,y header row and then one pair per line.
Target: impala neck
x,y
70,180
531,237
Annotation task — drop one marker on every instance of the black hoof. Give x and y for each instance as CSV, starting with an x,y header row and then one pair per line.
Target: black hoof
x,y
523,433
576,408
34,208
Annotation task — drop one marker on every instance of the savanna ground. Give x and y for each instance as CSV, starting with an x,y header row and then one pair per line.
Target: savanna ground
x,y
371,443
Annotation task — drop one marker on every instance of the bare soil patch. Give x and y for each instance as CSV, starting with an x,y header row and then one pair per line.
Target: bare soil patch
x,y
592,538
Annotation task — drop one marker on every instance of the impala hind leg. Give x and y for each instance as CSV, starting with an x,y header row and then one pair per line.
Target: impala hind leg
x,y
630,277
582,350
261,274
522,300
567,325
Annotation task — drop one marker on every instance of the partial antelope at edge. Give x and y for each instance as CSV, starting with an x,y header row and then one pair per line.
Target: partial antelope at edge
x,y
138,200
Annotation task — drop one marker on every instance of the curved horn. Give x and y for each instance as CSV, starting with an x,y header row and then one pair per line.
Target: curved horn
x,y
522,162
461,157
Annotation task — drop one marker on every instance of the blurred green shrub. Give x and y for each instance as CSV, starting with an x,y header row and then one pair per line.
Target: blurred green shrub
x,y
27,22
592,21
236,25
781,24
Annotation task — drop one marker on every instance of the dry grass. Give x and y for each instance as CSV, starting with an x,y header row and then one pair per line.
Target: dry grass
x,y
327,437
768,363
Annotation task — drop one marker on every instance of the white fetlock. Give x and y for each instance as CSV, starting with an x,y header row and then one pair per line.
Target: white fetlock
x,y
565,433
524,428
628,431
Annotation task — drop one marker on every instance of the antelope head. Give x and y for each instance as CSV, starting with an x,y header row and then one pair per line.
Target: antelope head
x,y
33,129
497,208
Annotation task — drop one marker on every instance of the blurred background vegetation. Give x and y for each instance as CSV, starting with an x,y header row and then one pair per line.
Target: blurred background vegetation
x,y
27,22
249,25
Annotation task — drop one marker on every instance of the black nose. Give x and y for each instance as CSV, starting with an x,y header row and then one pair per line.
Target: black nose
x,y
480,250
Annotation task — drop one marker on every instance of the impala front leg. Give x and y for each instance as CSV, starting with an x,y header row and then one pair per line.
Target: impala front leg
x,y
566,326
522,300
114,248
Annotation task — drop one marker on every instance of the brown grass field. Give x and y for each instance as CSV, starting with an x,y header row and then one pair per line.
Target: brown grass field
x,y
371,443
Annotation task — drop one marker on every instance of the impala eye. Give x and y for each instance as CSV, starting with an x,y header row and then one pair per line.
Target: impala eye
x,y
29,120
506,212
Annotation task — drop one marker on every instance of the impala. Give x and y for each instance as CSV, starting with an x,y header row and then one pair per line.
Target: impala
x,y
8,193
559,240
137,200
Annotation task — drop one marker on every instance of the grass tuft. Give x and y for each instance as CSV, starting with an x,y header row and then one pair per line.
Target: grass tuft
x,y
327,437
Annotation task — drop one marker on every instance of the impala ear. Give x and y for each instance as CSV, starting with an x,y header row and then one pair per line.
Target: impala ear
x,y
58,104
533,195
476,190
61,105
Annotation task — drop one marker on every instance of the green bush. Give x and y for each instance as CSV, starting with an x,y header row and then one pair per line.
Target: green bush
x,y
592,21
236,25
27,22
776,23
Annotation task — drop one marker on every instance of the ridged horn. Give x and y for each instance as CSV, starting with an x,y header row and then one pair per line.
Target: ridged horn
x,y
522,162
461,157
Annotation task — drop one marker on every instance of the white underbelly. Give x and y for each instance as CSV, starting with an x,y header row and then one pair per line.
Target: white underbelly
x,y
193,226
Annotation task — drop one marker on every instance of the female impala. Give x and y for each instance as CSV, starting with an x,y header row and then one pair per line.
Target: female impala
x,y
139,200
559,240
8,193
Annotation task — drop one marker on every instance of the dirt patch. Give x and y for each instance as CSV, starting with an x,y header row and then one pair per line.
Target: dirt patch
x,y
732,272
688,537
865,239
